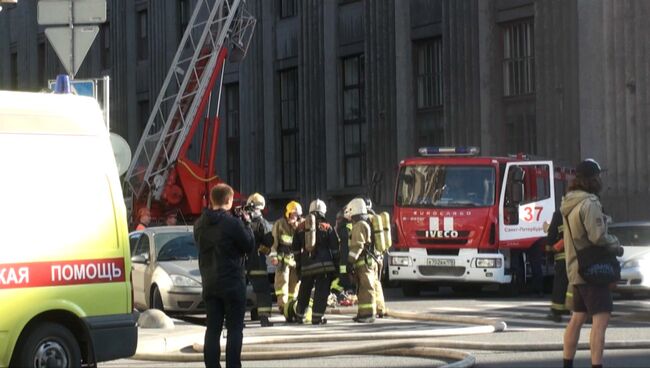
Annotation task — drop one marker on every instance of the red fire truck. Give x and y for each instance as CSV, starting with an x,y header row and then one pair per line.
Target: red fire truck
x,y
468,221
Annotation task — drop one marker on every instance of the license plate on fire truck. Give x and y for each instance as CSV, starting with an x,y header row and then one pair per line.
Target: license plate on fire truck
x,y
440,262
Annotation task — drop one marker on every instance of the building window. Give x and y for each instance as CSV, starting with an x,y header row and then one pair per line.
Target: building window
x,y
354,140
232,133
14,70
143,114
143,35
289,128
287,8
428,69
183,17
41,64
518,58
106,46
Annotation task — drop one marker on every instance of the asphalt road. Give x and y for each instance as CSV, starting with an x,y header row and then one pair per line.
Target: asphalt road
x,y
525,317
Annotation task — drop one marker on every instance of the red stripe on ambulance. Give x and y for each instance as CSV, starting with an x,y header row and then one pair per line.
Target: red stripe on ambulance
x,y
36,274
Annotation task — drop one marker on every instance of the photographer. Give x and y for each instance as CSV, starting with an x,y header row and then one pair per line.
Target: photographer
x,y
585,226
223,242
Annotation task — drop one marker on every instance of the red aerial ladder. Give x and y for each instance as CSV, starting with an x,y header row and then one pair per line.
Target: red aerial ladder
x,y
162,176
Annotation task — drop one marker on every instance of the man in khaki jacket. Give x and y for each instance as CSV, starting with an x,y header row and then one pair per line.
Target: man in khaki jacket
x,y
286,280
586,226
362,261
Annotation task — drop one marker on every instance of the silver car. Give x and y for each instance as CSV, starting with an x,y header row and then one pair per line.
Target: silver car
x,y
635,262
166,270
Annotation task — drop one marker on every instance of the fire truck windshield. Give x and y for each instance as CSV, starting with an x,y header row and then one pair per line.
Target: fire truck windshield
x,y
445,186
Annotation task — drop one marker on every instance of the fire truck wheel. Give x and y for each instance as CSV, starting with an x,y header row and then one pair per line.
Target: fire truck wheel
x,y
411,289
516,285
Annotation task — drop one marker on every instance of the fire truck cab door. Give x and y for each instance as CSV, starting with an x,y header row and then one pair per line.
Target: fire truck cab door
x,y
526,201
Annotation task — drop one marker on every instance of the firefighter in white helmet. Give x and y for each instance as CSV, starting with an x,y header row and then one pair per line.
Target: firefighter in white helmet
x,y
256,259
317,247
379,257
282,257
363,261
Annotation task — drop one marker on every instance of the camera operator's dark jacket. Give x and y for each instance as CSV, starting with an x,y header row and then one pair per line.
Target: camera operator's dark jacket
x,y
584,226
325,256
262,232
223,241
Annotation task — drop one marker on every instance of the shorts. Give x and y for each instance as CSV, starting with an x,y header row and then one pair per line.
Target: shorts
x,y
592,299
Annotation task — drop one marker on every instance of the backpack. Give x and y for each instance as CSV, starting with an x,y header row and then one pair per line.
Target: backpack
x,y
310,233
380,226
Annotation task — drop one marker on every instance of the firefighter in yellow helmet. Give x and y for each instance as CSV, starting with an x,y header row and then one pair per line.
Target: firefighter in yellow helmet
x,y
256,259
362,259
286,275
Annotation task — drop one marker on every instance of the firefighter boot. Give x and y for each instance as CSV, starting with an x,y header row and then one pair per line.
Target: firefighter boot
x,y
319,321
264,322
369,319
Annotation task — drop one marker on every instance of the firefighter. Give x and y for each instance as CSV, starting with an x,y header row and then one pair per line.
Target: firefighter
x,y
256,259
286,277
317,246
144,218
343,282
379,257
361,256
555,246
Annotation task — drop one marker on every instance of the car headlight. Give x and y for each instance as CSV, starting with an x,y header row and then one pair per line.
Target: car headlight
x,y
179,280
400,260
488,262
640,262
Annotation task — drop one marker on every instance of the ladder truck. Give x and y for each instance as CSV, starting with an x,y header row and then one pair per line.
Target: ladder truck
x,y
162,176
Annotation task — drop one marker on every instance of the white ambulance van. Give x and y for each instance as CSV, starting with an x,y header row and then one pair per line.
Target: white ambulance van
x,y
65,289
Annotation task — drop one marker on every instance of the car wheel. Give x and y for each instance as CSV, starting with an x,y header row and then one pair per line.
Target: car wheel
x,y
49,345
156,299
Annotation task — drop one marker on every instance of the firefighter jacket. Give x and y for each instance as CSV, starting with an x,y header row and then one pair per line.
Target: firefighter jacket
x,y
555,234
324,258
584,226
359,244
343,231
256,259
282,241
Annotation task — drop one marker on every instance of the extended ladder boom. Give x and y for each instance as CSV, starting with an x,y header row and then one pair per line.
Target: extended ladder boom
x,y
214,27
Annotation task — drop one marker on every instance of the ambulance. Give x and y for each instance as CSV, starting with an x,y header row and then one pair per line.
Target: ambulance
x,y
65,289
468,221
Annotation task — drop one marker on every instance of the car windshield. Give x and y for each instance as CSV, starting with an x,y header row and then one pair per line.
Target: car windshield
x,y
175,247
445,186
634,236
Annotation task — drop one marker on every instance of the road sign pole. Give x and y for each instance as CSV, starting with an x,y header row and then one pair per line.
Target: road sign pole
x,y
107,101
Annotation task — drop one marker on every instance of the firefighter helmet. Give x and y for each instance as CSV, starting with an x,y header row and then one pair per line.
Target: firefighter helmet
x,y
292,207
357,206
257,200
318,206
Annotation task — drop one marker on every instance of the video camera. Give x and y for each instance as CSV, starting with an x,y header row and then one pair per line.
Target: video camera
x,y
244,212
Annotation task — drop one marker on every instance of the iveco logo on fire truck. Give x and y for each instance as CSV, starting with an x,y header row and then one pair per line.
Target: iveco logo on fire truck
x,y
441,234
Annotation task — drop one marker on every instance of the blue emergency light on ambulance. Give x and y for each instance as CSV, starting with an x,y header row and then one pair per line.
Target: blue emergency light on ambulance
x,y
449,151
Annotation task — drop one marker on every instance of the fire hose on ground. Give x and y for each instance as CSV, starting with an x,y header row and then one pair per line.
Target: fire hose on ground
x,y
415,344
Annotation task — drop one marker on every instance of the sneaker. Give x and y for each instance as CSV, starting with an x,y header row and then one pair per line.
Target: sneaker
x,y
320,321
264,322
382,315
